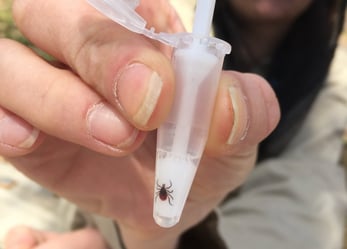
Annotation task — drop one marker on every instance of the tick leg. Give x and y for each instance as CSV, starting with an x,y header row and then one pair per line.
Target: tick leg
x,y
170,197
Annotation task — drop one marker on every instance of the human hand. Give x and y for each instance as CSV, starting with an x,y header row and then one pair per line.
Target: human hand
x,y
29,238
88,126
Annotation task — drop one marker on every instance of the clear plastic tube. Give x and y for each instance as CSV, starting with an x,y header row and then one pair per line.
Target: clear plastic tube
x,y
182,138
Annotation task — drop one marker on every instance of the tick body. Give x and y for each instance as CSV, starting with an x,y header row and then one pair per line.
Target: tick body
x,y
164,192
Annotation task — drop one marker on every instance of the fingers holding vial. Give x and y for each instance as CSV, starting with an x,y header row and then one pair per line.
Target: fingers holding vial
x,y
110,59
95,104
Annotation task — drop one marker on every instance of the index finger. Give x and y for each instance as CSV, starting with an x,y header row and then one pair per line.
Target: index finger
x,y
125,68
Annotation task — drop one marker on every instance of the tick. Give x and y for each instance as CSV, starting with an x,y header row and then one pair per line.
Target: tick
x,y
164,192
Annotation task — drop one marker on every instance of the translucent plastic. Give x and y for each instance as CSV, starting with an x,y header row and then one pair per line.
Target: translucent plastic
x,y
203,17
123,12
182,137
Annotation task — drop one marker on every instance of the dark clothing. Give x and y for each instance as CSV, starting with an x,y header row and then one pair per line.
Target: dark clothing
x,y
298,68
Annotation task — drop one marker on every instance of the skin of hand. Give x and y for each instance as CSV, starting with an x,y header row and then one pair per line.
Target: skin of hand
x,y
269,11
29,238
86,130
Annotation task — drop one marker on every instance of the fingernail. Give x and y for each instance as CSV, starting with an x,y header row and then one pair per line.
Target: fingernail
x,y
108,127
241,119
137,91
17,133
